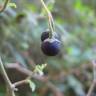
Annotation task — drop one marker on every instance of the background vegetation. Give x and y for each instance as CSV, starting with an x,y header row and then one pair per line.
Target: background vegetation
x,y
20,31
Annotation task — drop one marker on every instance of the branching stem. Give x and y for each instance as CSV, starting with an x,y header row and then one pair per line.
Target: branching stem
x,y
7,80
4,73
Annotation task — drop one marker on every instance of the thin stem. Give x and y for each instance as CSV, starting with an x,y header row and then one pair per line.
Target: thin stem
x,y
94,69
4,6
7,80
20,82
4,73
23,81
94,79
50,18
43,79
91,89
13,94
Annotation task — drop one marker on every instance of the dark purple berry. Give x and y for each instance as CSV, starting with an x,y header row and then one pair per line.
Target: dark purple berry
x,y
45,35
51,47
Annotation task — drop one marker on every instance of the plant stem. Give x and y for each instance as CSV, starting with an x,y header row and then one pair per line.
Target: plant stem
x,y
20,82
23,81
91,89
7,80
4,73
94,79
50,19
4,6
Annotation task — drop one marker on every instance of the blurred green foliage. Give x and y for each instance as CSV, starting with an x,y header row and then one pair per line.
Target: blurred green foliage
x,y
75,21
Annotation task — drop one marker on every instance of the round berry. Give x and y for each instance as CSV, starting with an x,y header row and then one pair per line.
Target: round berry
x,y
45,35
51,47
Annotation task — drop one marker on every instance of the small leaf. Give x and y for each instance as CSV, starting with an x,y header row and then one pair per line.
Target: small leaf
x,y
39,69
12,5
32,85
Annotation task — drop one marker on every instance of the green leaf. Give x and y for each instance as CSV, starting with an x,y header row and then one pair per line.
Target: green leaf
x,y
12,5
32,7
32,85
78,5
39,69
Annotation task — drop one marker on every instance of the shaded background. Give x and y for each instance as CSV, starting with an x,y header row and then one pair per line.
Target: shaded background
x,y
20,31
